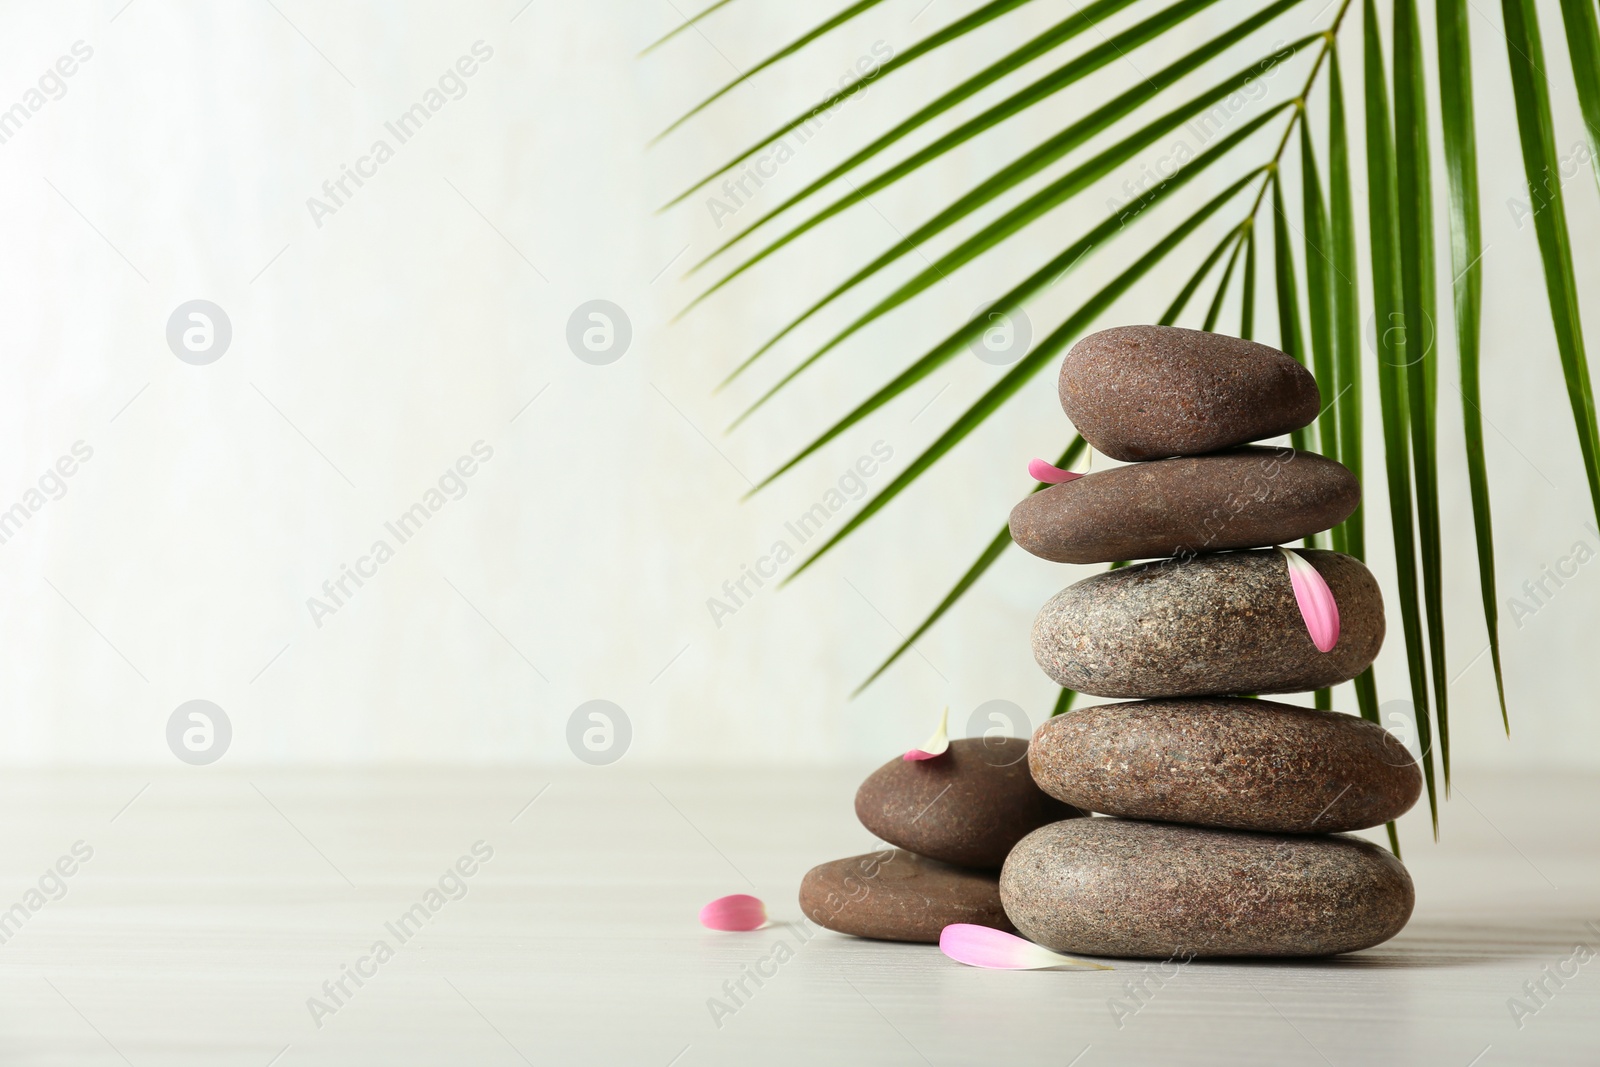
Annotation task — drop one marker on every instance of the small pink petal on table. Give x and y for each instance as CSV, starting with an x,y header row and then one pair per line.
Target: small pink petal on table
x,y
1040,471
737,912
1316,601
937,745
983,946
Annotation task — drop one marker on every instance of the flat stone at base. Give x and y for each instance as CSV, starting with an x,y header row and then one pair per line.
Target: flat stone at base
x,y
1115,887
1245,498
967,807
896,895
1216,624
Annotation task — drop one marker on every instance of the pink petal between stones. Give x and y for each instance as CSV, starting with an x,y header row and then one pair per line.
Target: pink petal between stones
x,y
982,946
1040,471
1316,601
738,912
937,745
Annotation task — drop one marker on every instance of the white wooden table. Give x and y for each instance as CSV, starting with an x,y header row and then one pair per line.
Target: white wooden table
x,y
218,901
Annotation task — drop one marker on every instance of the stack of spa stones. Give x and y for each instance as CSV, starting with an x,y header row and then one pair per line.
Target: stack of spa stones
x,y
953,818
1227,811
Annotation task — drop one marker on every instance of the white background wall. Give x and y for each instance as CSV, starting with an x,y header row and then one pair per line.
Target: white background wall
x,y
371,351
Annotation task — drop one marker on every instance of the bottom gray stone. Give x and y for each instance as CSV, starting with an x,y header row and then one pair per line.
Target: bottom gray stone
x,y
1116,887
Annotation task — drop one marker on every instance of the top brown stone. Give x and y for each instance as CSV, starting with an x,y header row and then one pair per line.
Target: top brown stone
x,y
1147,392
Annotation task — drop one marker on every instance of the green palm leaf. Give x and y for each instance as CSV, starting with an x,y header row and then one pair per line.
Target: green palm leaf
x,y
1287,292
1382,198
1415,216
1466,252
1345,306
1247,305
1319,300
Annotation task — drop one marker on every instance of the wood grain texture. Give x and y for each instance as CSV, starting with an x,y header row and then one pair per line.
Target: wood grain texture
x,y
219,900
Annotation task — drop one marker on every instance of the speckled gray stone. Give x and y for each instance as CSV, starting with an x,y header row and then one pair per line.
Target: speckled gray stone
x,y
896,895
1245,498
1144,392
1226,762
1208,626
967,807
1115,887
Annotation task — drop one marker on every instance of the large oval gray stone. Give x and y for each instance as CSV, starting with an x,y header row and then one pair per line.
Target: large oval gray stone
x,y
1208,626
1246,498
967,807
896,895
1115,887
1241,764
1144,392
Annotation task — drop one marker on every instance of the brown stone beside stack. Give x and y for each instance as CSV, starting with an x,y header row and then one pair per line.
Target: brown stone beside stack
x,y
954,818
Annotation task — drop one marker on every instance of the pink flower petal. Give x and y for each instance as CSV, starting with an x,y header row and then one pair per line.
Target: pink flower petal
x,y
982,946
1040,471
937,745
738,912
1316,601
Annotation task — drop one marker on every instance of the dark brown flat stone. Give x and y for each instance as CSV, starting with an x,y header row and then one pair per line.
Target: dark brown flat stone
x,y
1216,761
1146,392
1115,887
896,895
1246,498
967,807
1208,626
